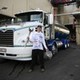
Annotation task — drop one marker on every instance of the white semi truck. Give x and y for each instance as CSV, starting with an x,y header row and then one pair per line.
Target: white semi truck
x,y
14,43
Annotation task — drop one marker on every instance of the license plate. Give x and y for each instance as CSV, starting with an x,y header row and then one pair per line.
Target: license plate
x,y
2,50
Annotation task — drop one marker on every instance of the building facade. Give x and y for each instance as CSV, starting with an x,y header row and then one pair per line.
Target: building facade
x,y
68,19
17,6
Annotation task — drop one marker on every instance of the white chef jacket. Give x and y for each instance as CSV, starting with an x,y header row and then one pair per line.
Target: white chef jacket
x,y
37,39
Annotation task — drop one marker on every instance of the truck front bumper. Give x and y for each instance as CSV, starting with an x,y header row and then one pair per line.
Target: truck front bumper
x,y
16,53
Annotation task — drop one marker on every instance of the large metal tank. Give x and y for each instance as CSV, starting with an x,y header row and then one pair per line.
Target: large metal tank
x,y
61,31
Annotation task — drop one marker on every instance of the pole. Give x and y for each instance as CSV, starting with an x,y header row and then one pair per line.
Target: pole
x,y
53,26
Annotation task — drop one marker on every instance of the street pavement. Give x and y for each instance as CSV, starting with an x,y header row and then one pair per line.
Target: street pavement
x,y
65,65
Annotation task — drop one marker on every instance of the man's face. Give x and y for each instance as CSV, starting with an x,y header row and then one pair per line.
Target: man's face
x,y
39,29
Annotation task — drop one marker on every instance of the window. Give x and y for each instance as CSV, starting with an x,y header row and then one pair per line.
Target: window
x,y
30,16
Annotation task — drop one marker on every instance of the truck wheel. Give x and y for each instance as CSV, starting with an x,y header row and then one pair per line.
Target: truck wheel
x,y
68,45
54,50
65,46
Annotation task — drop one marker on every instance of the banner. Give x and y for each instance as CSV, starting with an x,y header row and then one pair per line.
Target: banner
x,y
58,2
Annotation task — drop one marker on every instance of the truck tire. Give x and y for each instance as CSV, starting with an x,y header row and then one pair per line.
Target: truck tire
x,y
54,50
65,46
68,45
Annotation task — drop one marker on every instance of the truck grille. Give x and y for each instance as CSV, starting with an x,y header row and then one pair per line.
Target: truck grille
x,y
6,37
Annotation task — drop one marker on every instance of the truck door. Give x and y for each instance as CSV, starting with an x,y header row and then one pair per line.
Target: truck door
x,y
47,33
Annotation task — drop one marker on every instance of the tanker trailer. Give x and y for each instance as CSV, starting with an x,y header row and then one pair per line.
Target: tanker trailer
x,y
59,37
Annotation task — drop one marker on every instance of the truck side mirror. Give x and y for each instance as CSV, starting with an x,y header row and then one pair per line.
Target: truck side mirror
x,y
12,21
50,19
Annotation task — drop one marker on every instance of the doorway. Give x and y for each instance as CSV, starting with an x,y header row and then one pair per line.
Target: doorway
x,y
72,36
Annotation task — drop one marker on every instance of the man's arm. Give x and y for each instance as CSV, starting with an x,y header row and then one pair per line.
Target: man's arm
x,y
44,43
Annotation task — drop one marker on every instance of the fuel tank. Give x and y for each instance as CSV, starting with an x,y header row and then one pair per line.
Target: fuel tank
x,y
61,31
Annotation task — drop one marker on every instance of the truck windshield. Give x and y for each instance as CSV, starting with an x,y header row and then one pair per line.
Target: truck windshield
x,y
5,21
29,16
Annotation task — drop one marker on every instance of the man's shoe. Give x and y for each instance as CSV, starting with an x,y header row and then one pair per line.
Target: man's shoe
x,y
30,70
42,69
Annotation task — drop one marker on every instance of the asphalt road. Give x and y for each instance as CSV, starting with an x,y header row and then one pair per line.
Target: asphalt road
x,y
63,66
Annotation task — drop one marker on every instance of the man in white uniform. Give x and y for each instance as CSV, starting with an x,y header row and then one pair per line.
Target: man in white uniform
x,y
38,41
